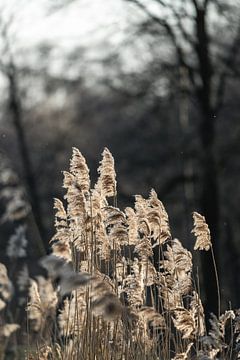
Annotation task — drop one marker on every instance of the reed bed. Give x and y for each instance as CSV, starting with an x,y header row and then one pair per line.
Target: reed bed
x,y
116,285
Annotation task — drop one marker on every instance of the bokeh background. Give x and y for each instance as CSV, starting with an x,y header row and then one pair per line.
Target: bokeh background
x,y
155,81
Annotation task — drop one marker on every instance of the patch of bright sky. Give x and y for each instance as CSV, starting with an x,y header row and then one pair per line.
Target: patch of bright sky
x,y
83,22
34,22
98,26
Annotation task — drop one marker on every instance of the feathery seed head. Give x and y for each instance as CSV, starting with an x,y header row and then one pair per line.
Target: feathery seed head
x,y
202,232
107,175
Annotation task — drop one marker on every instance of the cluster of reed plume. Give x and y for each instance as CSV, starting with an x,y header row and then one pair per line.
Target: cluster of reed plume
x,y
118,285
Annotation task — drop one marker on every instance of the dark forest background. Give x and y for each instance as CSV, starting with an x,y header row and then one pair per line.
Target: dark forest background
x,y
165,101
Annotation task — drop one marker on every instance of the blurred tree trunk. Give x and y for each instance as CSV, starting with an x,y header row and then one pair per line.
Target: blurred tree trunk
x,y
8,68
209,198
15,110
189,196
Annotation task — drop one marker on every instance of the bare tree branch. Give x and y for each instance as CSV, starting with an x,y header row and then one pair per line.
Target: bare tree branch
x,y
179,19
168,28
195,3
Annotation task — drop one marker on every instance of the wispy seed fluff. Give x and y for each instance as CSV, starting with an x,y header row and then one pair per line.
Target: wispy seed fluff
x,y
190,322
23,278
61,246
104,301
79,168
75,197
158,218
202,232
43,301
17,243
6,287
68,279
184,355
7,329
2,304
106,184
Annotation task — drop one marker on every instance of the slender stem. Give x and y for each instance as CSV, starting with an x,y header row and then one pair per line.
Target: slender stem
x,y
217,282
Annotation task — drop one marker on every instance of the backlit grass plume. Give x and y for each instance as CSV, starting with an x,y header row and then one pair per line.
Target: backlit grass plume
x,y
202,232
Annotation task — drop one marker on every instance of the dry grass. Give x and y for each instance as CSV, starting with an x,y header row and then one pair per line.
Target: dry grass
x,y
118,285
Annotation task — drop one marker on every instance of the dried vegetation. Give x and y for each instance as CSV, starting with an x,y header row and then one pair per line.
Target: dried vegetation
x,y
118,286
